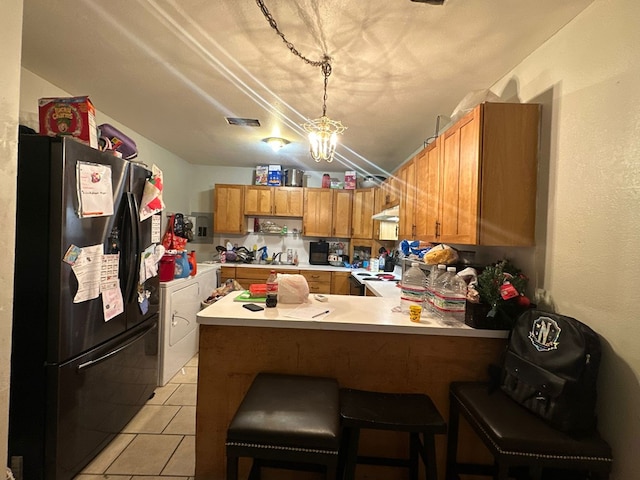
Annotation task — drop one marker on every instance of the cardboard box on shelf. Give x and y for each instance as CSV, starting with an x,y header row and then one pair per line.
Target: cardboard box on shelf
x,y
262,175
275,175
73,116
350,180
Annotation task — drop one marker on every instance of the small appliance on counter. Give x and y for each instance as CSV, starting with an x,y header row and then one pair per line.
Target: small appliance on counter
x,y
319,253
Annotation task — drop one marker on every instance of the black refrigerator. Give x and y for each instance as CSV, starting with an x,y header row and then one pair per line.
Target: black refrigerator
x,y
76,378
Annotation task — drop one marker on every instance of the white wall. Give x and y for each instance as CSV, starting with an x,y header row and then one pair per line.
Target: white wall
x,y
11,41
587,255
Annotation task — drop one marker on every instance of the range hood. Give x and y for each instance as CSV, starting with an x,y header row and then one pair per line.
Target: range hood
x,y
388,215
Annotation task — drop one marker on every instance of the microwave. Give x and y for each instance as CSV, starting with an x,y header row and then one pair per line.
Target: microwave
x,y
319,253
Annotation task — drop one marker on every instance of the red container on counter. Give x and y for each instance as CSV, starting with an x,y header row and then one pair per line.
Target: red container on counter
x,y
167,267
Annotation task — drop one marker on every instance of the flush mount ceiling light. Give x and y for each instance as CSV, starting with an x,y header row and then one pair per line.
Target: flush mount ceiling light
x,y
276,143
323,132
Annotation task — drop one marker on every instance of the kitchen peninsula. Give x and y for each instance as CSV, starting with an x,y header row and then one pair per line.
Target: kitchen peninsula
x,y
361,342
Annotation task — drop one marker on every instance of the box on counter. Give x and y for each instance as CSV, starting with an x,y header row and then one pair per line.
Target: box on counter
x,y
262,175
350,180
73,116
275,176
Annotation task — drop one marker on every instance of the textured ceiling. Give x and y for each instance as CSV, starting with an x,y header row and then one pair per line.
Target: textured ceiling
x,y
172,70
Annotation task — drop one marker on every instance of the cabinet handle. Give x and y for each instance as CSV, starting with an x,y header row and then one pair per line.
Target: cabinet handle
x,y
437,229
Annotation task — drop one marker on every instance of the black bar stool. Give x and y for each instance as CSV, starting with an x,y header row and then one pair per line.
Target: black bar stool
x,y
286,421
518,439
401,412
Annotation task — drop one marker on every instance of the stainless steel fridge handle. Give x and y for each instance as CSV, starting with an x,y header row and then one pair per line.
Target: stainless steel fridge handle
x,y
91,363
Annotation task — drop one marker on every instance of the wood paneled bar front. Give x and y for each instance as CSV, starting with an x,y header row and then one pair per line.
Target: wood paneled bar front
x,y
361,342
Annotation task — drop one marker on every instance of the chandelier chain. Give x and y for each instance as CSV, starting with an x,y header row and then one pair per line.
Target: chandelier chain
x,y
290,46
322,131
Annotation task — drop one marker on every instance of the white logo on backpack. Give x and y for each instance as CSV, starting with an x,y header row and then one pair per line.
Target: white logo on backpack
x,y
544,334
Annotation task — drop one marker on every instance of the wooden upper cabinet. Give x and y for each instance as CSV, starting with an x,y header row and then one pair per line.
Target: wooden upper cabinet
x,y
258,200
287,201
488,176
228,216
407,188
459,215
318,212
363,209
428,193
341,213
388,193
273,201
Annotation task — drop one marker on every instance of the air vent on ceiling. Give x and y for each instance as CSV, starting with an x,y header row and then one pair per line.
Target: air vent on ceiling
x,y
243,122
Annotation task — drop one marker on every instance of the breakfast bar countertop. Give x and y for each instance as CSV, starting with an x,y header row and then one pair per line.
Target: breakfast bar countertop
x,y
339,313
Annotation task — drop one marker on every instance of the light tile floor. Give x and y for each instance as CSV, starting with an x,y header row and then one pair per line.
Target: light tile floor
x,y
159,442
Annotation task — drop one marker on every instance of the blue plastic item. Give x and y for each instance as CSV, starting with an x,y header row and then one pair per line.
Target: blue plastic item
x,y
182,268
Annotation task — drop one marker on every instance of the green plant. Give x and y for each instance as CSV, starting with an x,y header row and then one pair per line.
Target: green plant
x,y
495,283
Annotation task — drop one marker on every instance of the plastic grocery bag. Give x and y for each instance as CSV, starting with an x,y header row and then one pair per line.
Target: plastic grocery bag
x,y
292,288
441,254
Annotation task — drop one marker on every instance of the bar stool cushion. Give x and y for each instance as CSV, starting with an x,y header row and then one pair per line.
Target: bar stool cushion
x,y
405,412
518,437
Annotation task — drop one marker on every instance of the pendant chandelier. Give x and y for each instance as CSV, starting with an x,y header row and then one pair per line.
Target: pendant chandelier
x,y
323,132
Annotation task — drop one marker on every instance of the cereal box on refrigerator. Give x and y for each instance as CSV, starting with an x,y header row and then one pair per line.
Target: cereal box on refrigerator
x,y
73,116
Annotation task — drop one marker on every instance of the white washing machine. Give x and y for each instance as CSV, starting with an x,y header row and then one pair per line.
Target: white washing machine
x,y
180,301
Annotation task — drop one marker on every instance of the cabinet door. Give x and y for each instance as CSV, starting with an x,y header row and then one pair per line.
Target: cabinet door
x,y
390,196
427,193
342,211
287,201
459,185
318,207
228,209
407,200
258,200
363,205
340,283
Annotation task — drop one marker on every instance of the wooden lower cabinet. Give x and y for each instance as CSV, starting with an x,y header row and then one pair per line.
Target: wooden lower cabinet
x,y
319,281
340,284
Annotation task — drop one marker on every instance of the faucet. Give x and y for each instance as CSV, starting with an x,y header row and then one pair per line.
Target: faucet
x,y
276,257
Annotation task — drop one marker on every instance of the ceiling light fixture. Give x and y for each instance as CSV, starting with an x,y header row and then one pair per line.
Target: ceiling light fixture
x,y
276,143
323,132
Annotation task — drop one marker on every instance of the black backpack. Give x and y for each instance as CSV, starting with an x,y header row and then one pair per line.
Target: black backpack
x,y
551,368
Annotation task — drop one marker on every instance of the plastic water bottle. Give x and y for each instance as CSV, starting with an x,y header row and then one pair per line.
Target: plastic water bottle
x,y
439,296
272,290
381,262
450,295
434,274
412,288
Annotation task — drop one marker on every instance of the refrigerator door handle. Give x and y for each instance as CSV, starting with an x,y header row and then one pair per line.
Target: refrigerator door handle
x,y
93,363
133,249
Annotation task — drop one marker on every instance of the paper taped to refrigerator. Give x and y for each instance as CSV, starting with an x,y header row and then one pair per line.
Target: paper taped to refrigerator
x,y
87,269
95,190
